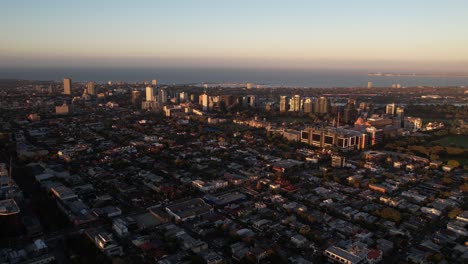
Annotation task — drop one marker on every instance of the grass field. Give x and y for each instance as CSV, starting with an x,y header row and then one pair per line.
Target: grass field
x,y
455,141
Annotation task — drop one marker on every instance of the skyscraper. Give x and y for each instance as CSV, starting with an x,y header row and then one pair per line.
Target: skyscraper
x,y
296,103
149,94
162,94
308,106
321,105
369,85
400,115
67,84
91,88
283,103
204,101
251,100
136,98
390,109
154,82
349,112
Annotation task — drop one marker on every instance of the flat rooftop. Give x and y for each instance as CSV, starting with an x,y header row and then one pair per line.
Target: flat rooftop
x,y
189,208
8,207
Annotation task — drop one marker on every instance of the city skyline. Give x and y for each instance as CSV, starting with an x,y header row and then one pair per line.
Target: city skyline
x,y
362,35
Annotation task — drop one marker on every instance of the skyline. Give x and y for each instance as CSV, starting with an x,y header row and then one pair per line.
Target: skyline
x,y
325,35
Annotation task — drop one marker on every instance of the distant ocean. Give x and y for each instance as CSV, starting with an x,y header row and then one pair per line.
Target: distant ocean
x,y
269,77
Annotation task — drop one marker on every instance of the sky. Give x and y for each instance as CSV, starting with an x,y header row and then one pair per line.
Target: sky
x,y
410,35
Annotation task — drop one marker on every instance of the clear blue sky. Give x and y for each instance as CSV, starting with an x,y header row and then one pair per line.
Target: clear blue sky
x,y
355,34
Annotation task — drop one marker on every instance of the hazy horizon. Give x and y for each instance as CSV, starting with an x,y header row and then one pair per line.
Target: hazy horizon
x,y
187,75
363,35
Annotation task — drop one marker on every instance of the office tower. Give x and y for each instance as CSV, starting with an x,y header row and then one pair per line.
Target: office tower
x,y
412,123
390,109
296,103
91,88
400,113
162,94
369,85
149,94
322,105
136,98
308,106
349,112
225,102
67,84
183,96
283,103
154,82
51,89
251,100
204,101
250,85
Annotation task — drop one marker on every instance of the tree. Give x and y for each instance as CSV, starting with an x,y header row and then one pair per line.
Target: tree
x,y
453,163
464,187
390,214
447,180
454,213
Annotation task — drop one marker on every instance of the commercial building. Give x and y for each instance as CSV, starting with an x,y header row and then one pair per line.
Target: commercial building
x,y
295,103
339,255
308,105
189,209
322,105
284,103
91,88
67,86
390,109
204,101
343,139
150,94
136,98
62,109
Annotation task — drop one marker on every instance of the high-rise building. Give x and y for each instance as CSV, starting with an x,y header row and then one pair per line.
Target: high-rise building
x,y
136,98
308,106
369,84
400,115
296,103
149,94
91,88
183,96
250,85
204,101
412,123
283,103
162,94
226,102
349,112
390,109
322,105
67,86
154,82
250,100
